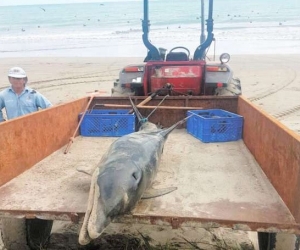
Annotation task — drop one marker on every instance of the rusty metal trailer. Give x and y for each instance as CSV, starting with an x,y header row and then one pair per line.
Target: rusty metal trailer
x,y
251,184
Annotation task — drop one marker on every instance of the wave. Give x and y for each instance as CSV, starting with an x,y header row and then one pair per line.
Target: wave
x,y
87,27
270,32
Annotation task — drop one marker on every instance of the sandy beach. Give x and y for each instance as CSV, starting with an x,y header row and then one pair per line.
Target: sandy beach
x,y
270,81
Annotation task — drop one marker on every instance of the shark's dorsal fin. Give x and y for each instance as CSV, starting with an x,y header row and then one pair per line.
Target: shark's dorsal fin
x,y
152,193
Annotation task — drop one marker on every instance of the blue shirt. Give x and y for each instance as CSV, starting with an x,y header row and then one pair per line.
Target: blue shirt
x,y
17,105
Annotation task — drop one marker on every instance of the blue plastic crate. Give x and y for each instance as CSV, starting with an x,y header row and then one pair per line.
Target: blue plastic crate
x,y
107,122
215,125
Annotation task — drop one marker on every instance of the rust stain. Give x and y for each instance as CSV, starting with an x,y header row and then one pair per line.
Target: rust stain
x,y
46,215
177,222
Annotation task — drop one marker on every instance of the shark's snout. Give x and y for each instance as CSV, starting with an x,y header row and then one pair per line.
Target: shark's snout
x,y
97,223
110,199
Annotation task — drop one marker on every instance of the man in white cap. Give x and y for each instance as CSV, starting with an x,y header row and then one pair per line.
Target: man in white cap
x,y
18,99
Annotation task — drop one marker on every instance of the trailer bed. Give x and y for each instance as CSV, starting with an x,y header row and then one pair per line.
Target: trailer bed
x,y
216,182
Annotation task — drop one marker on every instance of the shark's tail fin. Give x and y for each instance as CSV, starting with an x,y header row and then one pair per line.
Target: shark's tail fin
x,y
142,119
167,131
137,112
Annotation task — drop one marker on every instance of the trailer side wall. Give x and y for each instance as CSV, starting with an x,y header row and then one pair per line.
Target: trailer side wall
x,y
276,149
26,140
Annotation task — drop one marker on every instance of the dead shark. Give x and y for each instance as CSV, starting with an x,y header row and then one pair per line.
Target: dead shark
x,y
124,176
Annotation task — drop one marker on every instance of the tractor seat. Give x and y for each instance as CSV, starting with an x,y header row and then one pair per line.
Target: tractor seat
x,y
177,56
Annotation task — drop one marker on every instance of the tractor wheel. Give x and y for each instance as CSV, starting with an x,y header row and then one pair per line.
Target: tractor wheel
x,y
118,91
234,88
121,92
278,241
297,242
25,233
266,241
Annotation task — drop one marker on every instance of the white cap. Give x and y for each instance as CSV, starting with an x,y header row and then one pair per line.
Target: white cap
x,y
17,72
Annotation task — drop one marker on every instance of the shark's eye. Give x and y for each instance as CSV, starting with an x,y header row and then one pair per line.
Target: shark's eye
x,y
135,176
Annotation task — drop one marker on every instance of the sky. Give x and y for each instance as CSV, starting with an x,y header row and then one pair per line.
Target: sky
x,y
41,2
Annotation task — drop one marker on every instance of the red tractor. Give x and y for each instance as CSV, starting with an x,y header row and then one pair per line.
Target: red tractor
x,y
178,72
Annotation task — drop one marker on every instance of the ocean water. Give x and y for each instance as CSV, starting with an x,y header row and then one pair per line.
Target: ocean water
x,y
113,28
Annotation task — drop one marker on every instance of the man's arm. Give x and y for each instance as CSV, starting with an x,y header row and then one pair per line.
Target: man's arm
x,y
42,101
2,105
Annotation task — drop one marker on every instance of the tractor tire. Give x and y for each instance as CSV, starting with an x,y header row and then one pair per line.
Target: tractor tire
x,y
25,233
297,242
233,89
266,241
278,241
121,92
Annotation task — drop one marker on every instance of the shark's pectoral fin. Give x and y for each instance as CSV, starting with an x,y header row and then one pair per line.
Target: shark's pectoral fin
x,y
152,193
84,237
87,169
